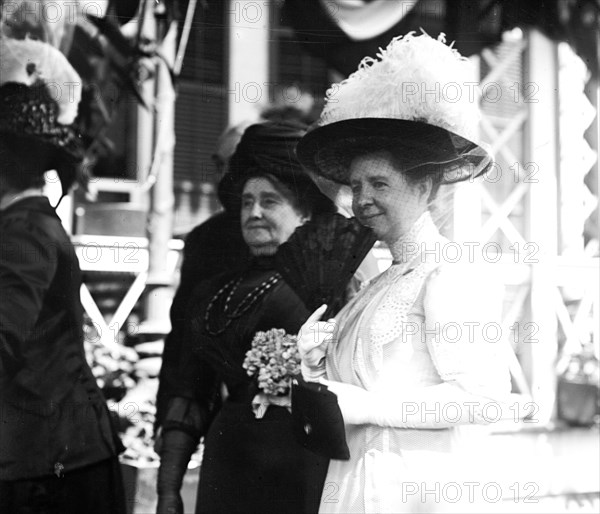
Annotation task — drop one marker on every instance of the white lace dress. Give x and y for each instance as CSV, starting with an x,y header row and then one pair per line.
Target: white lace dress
x,y
414,326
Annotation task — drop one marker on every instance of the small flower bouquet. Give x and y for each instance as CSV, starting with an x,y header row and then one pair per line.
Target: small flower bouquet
x,y
274,360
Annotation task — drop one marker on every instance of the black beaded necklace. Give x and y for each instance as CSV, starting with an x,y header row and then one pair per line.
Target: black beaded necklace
x,y
248,301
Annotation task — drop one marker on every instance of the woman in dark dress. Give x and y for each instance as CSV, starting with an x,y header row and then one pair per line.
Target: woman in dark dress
x,y
250,464
58,448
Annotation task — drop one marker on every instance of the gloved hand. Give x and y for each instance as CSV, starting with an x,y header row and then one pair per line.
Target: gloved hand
x,y
355,402
434,407
175,452
313,338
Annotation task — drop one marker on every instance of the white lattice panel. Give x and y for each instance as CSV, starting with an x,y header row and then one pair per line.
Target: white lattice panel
x,y
533,208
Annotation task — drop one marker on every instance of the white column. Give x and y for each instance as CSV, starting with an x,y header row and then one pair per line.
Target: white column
x,y
160,223
249,23
541,149
145,132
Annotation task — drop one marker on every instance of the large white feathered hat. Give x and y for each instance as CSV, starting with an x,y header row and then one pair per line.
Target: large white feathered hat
x,y
39,98
419,96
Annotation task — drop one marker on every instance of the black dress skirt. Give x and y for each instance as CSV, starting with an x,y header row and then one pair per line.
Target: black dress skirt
x,y
249,464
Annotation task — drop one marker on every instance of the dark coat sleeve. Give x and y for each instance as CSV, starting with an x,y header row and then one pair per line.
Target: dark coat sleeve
x,y
28,264
214,247
194,386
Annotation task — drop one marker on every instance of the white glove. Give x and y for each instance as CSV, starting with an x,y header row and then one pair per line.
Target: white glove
x,y
313,338
435,407
355,402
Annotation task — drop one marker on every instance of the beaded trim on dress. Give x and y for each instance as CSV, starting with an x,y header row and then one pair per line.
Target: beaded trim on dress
x,y
248,301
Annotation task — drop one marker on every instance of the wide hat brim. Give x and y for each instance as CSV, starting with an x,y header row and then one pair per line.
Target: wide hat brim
x,y
323,149
64,146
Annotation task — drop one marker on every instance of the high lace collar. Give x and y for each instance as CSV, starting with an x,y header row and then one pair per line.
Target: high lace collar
x,y
409,245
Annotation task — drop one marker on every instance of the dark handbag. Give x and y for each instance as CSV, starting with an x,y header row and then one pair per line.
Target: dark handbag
x,y
317,421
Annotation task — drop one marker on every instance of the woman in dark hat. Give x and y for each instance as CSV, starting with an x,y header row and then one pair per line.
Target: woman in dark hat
x,y
250,463
412,363
58,450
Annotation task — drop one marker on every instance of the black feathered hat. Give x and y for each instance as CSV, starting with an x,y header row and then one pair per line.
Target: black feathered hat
x,y
270,148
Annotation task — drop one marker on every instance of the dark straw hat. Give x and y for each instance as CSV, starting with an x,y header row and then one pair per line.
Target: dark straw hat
x,y
270,148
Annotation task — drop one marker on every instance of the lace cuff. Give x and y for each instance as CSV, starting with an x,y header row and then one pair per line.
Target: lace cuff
x,y
185,414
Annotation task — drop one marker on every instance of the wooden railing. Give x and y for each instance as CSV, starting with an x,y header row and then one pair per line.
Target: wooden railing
x,y
118,255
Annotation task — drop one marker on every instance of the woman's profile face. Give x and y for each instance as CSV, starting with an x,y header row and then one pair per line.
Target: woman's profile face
x,y
382,198
267,217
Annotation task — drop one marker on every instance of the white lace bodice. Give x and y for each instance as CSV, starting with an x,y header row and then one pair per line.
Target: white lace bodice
x,y
403,327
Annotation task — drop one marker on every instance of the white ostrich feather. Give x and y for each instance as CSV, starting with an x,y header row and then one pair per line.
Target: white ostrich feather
x,y
416,78
26,61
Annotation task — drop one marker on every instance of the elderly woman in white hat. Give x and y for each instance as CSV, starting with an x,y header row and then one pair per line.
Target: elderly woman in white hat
x,y
407,357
